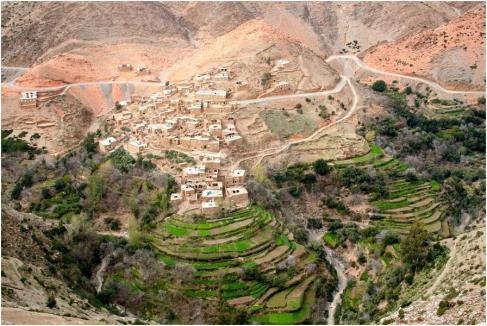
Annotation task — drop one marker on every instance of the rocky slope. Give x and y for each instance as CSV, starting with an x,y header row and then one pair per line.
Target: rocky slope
x,y
28,277
65,48
453,54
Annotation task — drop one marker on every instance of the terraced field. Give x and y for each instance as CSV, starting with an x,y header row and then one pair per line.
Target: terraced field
x,y
406,201
224,249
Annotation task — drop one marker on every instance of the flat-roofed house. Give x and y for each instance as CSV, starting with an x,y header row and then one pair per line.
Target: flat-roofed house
x,y
212,162
28,100
135,147
215,130
187,191
125,67
176,199
218,96
142,70
211,194
107,144
235,178
237,196
213,146
222,76
209,207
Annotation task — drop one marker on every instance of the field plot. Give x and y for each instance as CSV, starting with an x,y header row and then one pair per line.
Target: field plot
x,y
237,259
406,201
286,123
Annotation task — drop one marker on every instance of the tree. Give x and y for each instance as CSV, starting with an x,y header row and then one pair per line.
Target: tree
x,y
118,106
415,247
89,143
481,100
51,302
321,167
260,173
95,189
379,86
134,232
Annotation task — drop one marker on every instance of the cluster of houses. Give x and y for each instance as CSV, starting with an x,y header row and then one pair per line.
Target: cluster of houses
x,y
193,117
185,116
33,99
211,189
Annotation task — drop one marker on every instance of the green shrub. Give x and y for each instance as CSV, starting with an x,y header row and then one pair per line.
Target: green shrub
x,y
51,302
442,307
321,167
379,86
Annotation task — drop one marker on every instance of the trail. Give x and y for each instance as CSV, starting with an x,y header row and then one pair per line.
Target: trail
x,y
339,86
311,137
446,269
364,66
354,58
99,273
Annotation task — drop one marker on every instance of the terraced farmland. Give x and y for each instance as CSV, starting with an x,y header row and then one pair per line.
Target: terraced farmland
x,y
406,201
224,249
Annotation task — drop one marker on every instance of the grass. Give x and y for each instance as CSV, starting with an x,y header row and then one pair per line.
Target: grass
x,y
288,123
177,231
278,300
331,239
289,318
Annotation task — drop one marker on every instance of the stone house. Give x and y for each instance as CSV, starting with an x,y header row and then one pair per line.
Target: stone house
x,y
28,100
107,144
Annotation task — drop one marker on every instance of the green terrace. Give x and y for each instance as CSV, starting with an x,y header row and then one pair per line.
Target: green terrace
x,y
249,241
405,202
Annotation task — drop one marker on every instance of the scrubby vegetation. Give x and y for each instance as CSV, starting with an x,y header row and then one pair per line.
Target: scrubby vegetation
x,y
446,150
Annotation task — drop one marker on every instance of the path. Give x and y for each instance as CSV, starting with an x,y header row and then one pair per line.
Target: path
x,y
99,273
350,112
446,269
364,66
342,279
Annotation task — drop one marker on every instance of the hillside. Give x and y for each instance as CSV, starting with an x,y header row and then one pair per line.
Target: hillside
x,y
453,54
55,38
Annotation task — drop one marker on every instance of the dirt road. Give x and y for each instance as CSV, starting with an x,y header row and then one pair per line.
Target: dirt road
x,y
311,137
430,83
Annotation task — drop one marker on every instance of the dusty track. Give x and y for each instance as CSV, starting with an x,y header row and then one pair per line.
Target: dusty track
x,y
354,58
430,83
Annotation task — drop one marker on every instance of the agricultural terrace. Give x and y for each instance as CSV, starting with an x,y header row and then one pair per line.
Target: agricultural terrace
x,y
406,199
246,259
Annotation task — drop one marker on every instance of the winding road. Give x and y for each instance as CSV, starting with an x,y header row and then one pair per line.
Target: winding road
x,y
355,59
432,84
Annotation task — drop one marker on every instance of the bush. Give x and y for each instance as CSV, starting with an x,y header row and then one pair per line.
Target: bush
x,y
295,191
51,302
46,194
442,307
315,223
321,167
122,160
379,86
264,79
401,314
89,143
